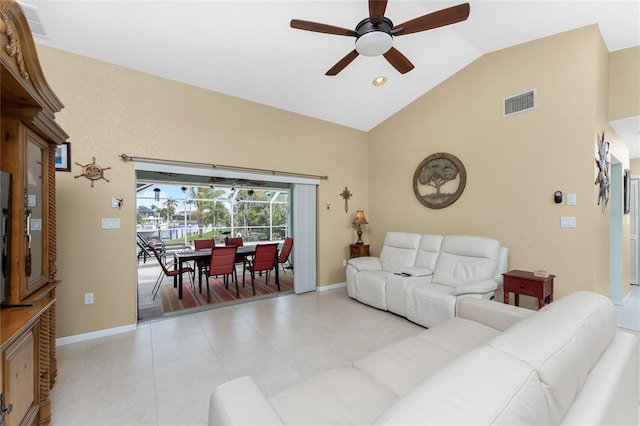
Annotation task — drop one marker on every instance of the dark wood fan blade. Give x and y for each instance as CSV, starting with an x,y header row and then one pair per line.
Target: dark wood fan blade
x,y
398,60
342,63
376,10
321,28
437,19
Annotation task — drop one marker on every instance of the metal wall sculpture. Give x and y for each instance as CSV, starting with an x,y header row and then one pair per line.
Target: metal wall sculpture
x,y
603,163
439,180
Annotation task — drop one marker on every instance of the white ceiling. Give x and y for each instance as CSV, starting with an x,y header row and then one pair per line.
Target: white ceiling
x,y
247,49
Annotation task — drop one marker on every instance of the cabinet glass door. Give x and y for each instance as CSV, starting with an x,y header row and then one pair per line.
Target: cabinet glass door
x,y
35,211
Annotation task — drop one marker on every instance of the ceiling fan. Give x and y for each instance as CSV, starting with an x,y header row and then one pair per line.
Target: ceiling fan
x,y
374,35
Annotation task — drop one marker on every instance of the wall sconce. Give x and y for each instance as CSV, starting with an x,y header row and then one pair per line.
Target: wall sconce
x,y
359,219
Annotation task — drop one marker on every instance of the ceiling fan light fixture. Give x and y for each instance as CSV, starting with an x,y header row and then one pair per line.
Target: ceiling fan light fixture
x,y
380,80
374,43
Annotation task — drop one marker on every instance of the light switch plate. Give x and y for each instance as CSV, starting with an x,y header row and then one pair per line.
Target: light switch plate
x,y
113,223
571,199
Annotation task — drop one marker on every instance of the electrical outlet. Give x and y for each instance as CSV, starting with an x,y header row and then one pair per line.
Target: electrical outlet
x,y
88,298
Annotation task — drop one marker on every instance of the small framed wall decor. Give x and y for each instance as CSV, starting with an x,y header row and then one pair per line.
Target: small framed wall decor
x,y
63,157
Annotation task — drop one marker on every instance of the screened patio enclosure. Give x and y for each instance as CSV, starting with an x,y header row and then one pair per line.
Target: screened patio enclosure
x,y
179,209
259,205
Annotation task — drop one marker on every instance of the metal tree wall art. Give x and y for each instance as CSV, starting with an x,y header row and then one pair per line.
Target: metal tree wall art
x,y
439,180
603,163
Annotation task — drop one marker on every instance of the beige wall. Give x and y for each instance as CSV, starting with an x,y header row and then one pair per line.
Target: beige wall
x,y
624,83
514,165
111,110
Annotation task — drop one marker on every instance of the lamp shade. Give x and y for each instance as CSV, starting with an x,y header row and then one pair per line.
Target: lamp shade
x,y
359,218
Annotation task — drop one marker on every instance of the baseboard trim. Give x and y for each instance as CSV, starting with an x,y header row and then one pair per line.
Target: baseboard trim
x,y
95,334
331,287
132,327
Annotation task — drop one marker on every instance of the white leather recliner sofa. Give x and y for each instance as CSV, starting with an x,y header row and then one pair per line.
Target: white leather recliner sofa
x,y
494,364
422,277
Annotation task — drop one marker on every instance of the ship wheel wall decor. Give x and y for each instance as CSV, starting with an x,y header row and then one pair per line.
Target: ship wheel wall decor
x,y
439,180
92,171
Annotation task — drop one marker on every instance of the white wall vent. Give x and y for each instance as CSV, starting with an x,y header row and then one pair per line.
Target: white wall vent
x,y
33,19
518,103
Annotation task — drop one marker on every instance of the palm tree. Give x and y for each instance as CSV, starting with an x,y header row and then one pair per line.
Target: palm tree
x,y
218,214
201,196
170,206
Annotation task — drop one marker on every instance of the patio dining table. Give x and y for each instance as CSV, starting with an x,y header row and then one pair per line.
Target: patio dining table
x,y
182,256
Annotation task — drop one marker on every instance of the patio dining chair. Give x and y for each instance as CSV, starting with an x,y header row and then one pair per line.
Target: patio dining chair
x,y
283,257
222,262
203,265
236,242
263,261
168,271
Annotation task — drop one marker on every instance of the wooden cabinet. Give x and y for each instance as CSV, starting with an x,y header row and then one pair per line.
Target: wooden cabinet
x,y
358,250
25,155
527,284
29,137
21,368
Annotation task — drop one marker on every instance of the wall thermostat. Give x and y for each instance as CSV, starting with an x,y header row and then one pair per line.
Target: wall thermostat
x,y
557,197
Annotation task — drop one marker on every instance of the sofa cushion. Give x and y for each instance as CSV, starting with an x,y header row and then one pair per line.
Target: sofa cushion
x,y
405,364
466,259
474,390
343,395
399,250
428,251
610,394
459,335
562,342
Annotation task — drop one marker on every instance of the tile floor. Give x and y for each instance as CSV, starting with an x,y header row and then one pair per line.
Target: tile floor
x,y
164,372
629,314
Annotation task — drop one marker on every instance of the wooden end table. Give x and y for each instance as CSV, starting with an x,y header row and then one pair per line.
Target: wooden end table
x,y
358,250
524,282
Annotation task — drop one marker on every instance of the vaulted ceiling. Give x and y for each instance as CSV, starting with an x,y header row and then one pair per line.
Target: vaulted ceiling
x,y
247,49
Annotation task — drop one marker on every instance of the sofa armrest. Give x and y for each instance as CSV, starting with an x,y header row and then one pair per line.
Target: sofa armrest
x,y
366,263
476,287
240,402
491,313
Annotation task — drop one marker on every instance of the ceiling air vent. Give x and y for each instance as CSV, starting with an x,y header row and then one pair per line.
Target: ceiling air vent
x,y
33,19
519,103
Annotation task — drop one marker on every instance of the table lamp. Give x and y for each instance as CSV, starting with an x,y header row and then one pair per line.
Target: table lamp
x,y
359,220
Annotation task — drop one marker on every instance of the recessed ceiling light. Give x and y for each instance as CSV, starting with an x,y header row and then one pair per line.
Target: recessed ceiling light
x,y
379,81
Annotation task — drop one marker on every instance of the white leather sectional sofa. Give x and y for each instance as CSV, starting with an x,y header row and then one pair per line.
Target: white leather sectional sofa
x,y
422,277
493,364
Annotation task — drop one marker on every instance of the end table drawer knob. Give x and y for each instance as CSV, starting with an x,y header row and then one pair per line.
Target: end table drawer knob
x,y
521,285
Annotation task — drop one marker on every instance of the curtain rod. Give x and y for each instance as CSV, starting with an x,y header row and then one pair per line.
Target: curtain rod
x,y
126,157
